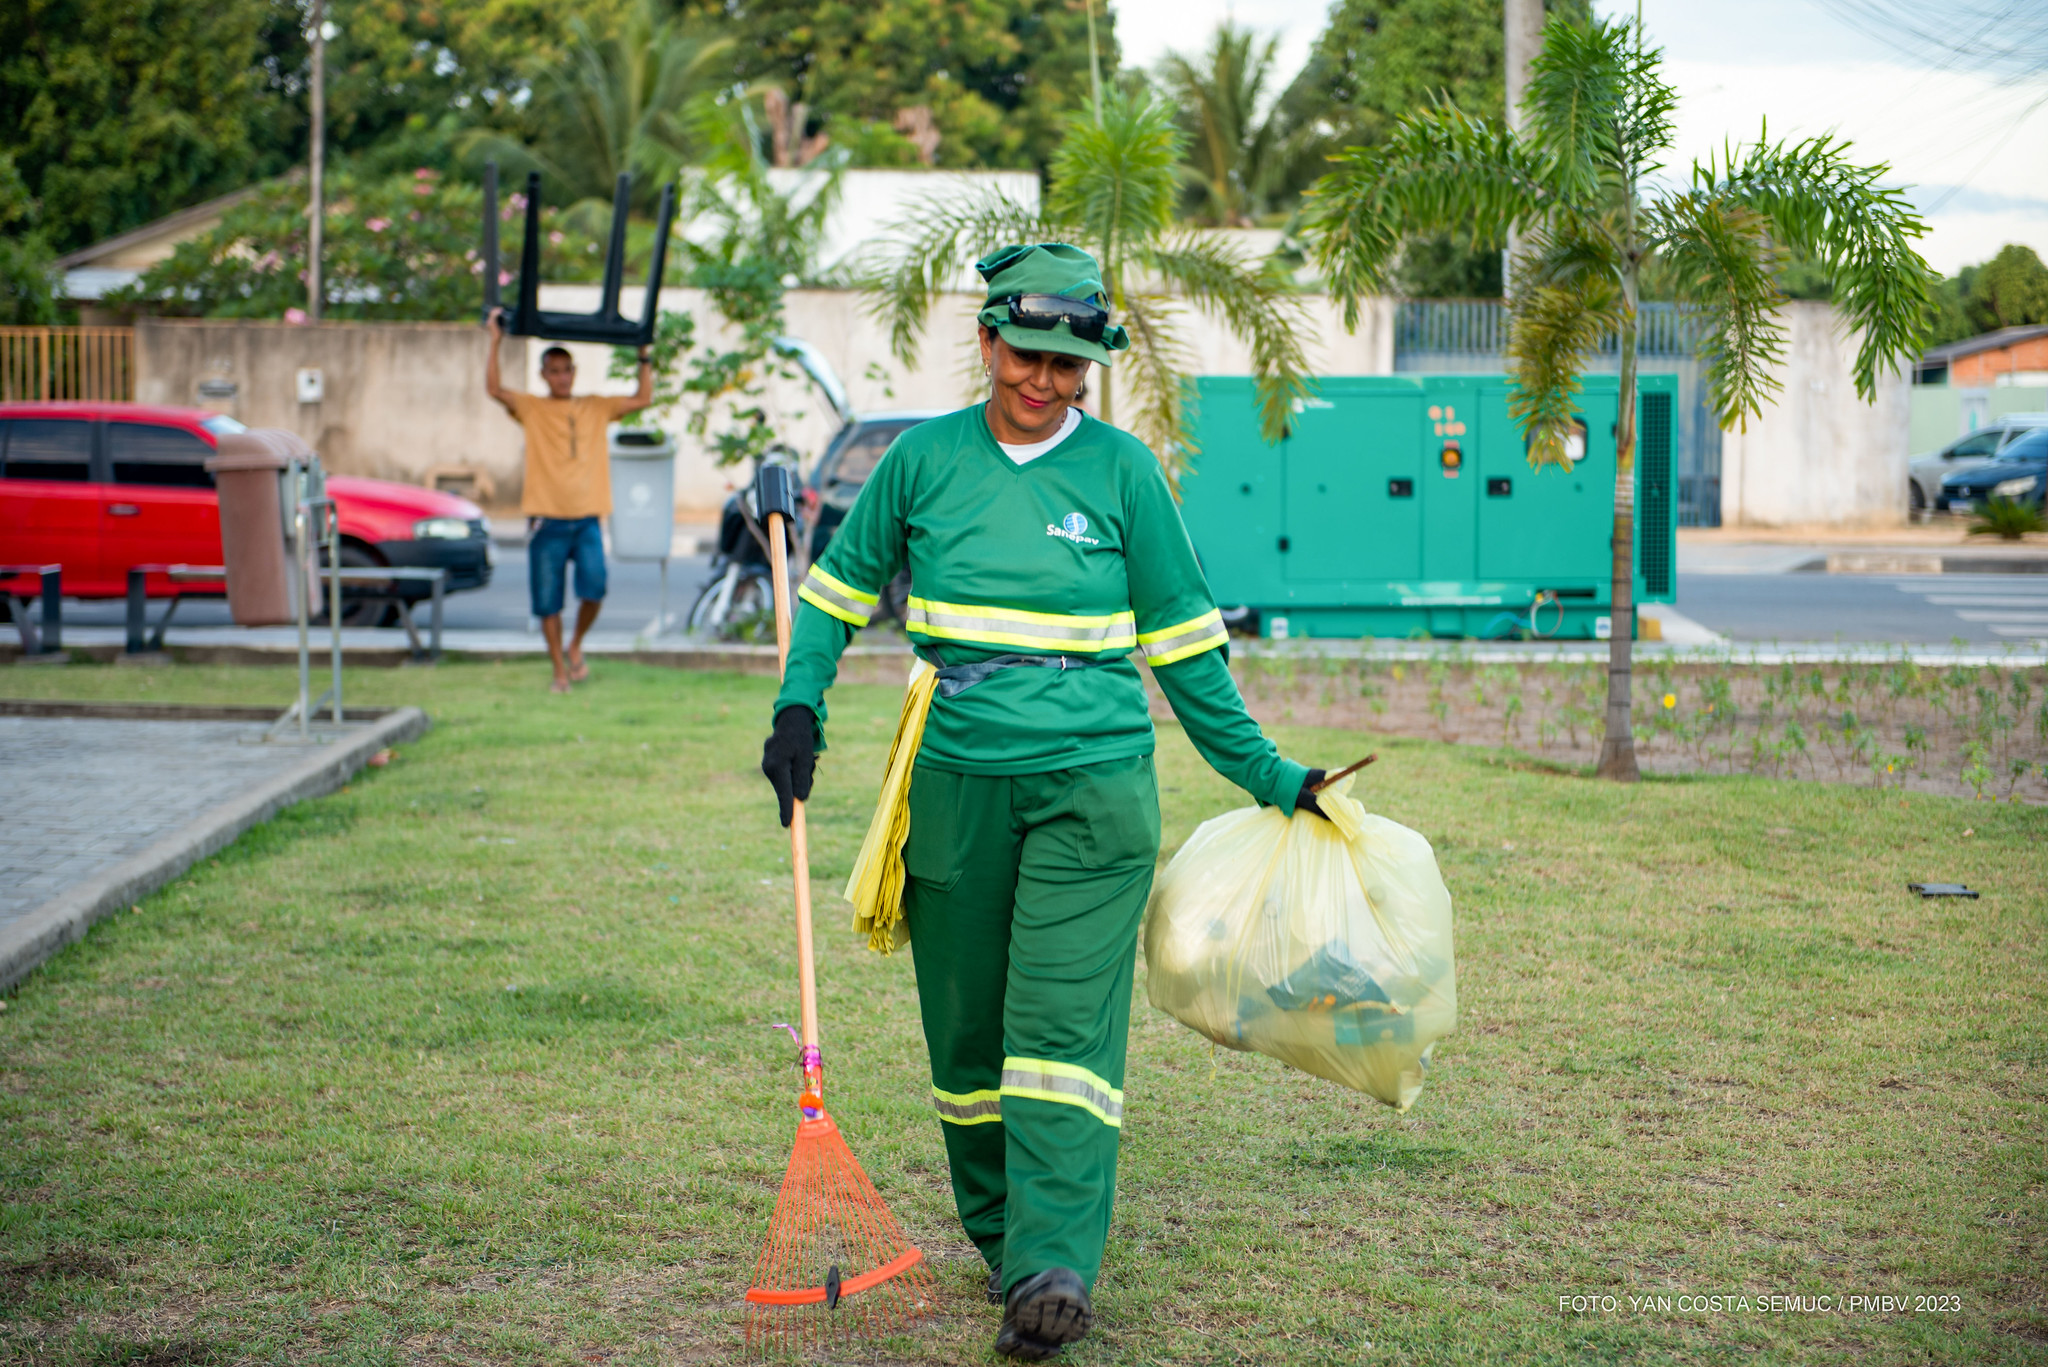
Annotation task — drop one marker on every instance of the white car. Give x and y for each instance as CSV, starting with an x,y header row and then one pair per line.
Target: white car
x,y
1925,473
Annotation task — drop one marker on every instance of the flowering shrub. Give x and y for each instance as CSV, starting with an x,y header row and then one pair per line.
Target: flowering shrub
x,y
402,247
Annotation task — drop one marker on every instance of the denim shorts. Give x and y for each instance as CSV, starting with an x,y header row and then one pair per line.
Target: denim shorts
x,y
555,542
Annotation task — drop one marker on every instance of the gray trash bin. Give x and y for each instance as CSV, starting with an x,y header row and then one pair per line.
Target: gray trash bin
x,y
643,493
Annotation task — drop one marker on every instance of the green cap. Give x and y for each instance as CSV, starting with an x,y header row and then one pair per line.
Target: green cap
x,y
1046,268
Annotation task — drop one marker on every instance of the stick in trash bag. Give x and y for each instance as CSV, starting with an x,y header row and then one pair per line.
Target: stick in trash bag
x,y
837,1265
1344,773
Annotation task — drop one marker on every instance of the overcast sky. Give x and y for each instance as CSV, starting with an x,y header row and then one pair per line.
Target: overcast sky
x,y
1976,158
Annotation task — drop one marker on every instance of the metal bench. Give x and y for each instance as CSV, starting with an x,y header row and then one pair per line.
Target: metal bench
x,y
143,639
377,574
50,641
140,638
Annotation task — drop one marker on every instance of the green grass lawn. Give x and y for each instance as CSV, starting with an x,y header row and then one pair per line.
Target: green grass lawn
x,y
469,1063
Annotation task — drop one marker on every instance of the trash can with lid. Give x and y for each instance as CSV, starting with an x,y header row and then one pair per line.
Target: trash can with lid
x,y
643,520
250,476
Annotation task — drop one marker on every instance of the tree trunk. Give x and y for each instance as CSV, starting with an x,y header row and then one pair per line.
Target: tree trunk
x,y
1522,32
1618,750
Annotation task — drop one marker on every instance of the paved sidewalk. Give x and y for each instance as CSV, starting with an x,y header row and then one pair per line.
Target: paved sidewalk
x,y
104,809
86,793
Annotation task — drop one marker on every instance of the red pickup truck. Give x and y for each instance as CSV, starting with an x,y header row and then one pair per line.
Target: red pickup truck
x,y
100,487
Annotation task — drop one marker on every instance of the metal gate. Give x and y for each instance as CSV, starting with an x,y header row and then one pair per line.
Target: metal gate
x,y
1460,335
94,364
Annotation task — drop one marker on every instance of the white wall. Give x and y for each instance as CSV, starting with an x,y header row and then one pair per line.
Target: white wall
x,y
1820,454
946,372
873,202
400,401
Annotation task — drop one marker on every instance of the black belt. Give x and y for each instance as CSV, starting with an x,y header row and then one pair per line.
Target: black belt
x,y
957,679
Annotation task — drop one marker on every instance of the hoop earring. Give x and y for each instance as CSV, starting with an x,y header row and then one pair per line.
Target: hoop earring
x,y
1081,394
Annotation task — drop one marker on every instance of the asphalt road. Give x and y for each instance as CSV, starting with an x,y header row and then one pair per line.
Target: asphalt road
x,y
1928,609
1984,610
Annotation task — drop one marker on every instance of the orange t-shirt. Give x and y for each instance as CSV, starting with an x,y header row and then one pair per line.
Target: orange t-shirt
x,y
568,469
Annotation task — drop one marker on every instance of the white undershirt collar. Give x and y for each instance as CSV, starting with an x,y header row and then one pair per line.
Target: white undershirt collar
x,y
1023,453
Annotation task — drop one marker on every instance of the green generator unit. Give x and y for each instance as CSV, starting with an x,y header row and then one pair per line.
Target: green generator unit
x,y
1405,505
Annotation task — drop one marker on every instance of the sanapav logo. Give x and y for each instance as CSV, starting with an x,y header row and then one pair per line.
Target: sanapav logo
x,y
1072,528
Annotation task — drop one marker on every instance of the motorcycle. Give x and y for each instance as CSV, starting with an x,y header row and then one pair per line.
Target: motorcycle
x,y
737,601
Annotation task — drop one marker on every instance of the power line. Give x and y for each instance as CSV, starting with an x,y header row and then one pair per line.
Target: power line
x,y
2004,39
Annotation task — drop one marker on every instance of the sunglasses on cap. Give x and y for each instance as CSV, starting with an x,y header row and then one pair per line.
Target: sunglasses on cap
x,y
1044,312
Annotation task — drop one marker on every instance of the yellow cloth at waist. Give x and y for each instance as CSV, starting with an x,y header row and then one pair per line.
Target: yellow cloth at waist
x,y
876,885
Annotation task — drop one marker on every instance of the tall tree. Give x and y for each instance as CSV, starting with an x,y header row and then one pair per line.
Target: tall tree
x,y
1113,187
1375,63
1378,61
997,75
1234,142
120,111
2009,290
25,274
116,111
633,102
1576,183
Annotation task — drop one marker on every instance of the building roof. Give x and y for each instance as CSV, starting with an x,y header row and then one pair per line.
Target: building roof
x,y
91,272
171,229
1984,341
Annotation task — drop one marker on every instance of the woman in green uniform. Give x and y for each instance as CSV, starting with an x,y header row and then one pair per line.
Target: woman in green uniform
x,y
1045,549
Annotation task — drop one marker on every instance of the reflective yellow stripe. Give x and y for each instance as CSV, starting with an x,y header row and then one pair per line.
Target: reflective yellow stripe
x,y
968,1108
1191,637
1050,631
816,600
1064,1084
842,586
843,601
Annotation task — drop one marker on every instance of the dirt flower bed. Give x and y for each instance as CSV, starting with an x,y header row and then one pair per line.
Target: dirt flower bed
x,y
1960,729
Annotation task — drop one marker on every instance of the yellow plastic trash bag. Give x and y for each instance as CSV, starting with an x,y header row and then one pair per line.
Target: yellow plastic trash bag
x,y
1324,944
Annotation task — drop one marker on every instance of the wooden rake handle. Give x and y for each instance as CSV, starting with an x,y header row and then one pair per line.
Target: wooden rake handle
x,y
1344,773
799,845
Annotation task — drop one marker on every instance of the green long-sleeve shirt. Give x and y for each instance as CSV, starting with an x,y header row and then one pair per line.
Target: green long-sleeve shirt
x,y
1080,552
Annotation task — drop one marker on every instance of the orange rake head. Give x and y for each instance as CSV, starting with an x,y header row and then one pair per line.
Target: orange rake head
x,y
837,1265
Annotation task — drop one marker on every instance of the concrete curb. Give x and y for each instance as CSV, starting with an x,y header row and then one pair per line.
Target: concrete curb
x,y
1922,562
27,942
167,711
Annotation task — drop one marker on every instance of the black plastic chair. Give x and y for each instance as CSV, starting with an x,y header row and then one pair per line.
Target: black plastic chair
x,y
607,325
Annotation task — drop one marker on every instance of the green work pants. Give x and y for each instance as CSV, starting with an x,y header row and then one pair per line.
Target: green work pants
x,y
1024,897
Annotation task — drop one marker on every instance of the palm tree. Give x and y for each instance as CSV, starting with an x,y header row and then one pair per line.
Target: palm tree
x,y
1113,184
1573,184
1232,149
630,103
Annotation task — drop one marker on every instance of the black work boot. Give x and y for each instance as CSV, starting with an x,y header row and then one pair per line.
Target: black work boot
x,y
995,1285
1043,1314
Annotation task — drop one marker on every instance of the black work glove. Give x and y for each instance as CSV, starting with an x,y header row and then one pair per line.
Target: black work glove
x,y
1305,800
790,757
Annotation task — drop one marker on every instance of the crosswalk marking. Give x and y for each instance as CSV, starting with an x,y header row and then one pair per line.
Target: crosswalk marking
x,y
2009,610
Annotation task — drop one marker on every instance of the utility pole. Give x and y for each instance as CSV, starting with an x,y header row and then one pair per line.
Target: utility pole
x,y
1524,35
316,172
1094,66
